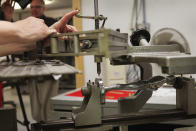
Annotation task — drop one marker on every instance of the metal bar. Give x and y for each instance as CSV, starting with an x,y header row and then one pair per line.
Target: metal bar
x,y
54,48
69,54
91,32
92,17
97,27
137,14
144,13
76,44
128,119
87,17
133,17
155,48
26,122
96,14
146,117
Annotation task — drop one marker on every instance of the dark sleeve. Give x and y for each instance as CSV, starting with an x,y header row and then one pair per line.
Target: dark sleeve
x,y
49,21
1,14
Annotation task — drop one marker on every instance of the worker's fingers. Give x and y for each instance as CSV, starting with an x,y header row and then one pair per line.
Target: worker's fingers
x,y
67,17
70,28
51,31
61,25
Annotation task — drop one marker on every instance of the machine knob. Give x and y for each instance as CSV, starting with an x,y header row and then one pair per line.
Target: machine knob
x,y
139,35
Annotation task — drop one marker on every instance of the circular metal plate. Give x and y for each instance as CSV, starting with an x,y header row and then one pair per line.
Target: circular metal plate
x,y
166,36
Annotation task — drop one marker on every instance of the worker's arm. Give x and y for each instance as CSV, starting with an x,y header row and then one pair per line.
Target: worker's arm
x,y
8,32
22,35
12,48
23,31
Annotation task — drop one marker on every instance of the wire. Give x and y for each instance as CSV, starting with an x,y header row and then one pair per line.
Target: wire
x,y
138,11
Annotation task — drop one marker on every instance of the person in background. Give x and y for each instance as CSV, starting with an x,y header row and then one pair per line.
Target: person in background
x,y
8,10
37,9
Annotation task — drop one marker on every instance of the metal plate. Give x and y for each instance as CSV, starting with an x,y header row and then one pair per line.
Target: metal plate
x,y
172,63
24,69
168,36
103,42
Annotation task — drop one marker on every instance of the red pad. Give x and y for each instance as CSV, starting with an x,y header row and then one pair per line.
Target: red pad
x,y
112,95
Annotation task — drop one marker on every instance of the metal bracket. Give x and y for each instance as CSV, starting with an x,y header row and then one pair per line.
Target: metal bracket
x,y
186,94
134,103
90,112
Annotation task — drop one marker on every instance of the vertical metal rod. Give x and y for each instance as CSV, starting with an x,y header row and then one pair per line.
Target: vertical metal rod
x,y
144,13
97,27
133,17
137,14
26,122
54,48
76,44
96,14
99,68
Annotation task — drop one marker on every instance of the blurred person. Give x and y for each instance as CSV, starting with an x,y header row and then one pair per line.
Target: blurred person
x,y
37,9
8,10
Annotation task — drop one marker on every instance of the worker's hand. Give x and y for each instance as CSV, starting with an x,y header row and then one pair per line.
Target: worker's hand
x,y
8,9
61,26
32,30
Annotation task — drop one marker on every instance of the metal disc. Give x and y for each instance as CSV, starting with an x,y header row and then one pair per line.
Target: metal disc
x,y
166,36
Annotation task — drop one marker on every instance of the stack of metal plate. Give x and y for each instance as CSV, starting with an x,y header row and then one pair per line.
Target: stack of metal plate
x,y
25,69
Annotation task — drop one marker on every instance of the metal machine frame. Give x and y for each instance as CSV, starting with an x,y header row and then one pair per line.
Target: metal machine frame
x,y
114,45
171,58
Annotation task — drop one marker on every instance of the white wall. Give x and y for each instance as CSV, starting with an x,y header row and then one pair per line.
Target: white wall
x,y
118,17
178,14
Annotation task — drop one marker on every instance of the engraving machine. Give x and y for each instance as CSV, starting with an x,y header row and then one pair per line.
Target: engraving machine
x,y
173,57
